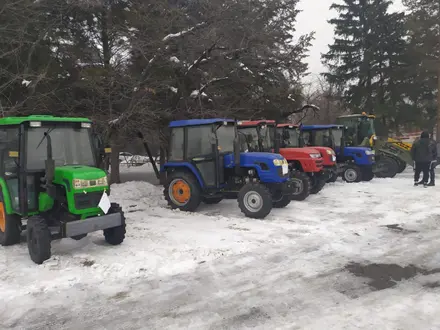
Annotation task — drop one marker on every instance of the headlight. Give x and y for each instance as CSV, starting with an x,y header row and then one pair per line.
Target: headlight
x,y
369,152
280,162
101,182
375,137
330,152
315,155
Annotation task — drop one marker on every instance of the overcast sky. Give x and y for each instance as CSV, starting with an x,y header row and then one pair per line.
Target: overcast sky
x,y
314,17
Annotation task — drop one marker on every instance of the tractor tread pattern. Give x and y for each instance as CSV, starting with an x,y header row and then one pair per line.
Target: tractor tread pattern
x,y
116,235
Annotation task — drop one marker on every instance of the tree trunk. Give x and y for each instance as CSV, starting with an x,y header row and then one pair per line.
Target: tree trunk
x,y
163,177
115,175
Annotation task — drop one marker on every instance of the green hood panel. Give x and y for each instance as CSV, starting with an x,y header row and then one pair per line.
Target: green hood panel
x,y
77,172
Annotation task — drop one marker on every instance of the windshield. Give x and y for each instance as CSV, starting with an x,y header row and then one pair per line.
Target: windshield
x,y
323,138
249,132
70,146
266,139
225,138
366,128
292,141
337,136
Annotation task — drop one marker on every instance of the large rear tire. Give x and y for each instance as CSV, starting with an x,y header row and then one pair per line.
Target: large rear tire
x,y
352,174
182,191
401,166
38,239
115,235
318,184
282,202
255,200
10,226
387,167
367,174
303,181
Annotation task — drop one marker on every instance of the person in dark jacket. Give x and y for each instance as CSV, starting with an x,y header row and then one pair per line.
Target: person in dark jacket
x,y
422,156
433,145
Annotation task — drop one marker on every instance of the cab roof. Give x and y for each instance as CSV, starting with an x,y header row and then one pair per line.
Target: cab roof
x,y
252,123
287,125
198,122
42,118
318,127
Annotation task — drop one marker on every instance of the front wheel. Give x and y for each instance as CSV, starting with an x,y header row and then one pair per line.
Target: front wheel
x,y
255,200
38,239
302,182
352,174
182,191
282,202
115,235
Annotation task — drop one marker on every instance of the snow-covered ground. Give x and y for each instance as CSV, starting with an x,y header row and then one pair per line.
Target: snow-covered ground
x,y
329,262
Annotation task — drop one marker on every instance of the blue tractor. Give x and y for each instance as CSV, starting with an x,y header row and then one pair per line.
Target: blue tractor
x,y
205,164
355,164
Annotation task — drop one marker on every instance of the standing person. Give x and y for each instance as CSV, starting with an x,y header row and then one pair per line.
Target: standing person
x,y
433,145
422,157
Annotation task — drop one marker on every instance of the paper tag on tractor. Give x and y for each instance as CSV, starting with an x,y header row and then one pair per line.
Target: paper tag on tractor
x,y
104,203
285,169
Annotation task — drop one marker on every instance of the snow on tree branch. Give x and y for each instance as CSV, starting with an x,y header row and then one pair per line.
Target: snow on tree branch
x,y
182,33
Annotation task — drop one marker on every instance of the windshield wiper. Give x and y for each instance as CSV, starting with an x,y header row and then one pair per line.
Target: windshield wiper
x,y
44,136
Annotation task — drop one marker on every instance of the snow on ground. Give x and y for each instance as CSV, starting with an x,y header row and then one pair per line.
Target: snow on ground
x,y
300,268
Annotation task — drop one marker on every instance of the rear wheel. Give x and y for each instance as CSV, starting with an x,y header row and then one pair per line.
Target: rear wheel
x,y
317,184
351,174
282,201
333,178
367,173
182,191
115,235
10,226
38,239
386,167
401,166
255,200
303,184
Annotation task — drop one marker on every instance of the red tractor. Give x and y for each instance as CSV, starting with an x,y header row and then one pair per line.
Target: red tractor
x,y
306,164
296,140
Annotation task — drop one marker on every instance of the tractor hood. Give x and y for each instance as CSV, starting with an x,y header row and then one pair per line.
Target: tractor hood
x,y
328,155
297,153
251,158
77,172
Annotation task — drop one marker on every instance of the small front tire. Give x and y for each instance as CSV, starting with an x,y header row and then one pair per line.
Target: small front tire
x,y
38,239
367,174
283,202
115,235
352,174
255,200
318,185
333,178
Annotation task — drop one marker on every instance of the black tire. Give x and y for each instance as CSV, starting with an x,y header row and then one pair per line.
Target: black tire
x,y
352,174
333,178
38,239
115,235
212,200
10,229
304,181
317,185
191,183
367,174
249,195
282,202
388,167
401,166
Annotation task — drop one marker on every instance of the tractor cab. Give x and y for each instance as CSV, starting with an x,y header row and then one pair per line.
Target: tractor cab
x,y
208,160
50,178
360,129
355,163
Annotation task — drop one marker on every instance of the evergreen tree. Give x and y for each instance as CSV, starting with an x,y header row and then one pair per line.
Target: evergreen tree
x,y
366,57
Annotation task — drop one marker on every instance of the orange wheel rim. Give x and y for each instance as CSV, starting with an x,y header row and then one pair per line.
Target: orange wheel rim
x,y
181,191
2,217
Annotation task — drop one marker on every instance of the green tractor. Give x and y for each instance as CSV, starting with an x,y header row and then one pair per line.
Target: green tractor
x,y
51,186
392,156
